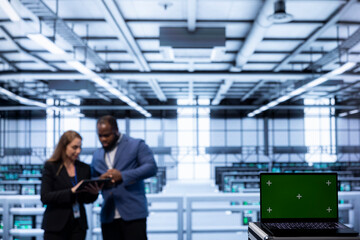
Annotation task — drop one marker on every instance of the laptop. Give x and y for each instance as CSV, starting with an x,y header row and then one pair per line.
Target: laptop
x,y
301,204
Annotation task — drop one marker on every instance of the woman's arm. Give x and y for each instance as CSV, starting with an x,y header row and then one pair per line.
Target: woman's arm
x,y
51,195
90,194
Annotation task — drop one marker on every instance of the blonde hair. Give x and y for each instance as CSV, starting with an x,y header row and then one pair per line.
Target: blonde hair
x,y
60,149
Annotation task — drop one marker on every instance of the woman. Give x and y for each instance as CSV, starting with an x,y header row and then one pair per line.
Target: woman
x,y
63,173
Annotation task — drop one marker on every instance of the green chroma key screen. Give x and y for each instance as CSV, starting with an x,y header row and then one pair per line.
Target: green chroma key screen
x,y
298,195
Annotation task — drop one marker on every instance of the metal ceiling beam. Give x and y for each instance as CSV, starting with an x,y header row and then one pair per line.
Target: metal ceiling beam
x,y
214,64
131,91
100,95
25,52
157,90
110,38
199,22
117,22
174,107
256,34
223,89
336,53
12,66
333,19
109,51
297,39
191,90
334,93
222,22
45,14
171,76
256,87
191,17
351,97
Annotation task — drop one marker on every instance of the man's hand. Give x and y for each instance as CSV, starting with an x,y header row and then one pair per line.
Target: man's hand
x,y
114,174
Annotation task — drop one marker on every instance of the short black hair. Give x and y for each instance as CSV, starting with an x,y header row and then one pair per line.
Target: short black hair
x,y
110,120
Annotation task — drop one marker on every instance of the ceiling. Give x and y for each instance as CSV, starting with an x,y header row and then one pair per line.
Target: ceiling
x,y
157,51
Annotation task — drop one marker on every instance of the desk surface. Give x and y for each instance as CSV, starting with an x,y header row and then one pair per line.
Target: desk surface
x,y
255,232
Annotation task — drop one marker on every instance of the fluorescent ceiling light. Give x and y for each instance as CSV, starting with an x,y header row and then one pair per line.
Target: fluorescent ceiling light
x,y
316,82
272,104
123,97
134,105
27,101
354,111
341,69
263,108
102,82
282,99
22,100
347,66
81,68
46,43
9,10
343,114
335,72
297,91
147,114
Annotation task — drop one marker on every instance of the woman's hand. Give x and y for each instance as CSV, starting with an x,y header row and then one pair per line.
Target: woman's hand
x,y
73,189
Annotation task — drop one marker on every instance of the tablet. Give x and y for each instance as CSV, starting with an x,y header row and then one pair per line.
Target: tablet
x,y
87,182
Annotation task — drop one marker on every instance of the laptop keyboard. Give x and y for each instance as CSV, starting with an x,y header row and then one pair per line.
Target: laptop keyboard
x,y
306,225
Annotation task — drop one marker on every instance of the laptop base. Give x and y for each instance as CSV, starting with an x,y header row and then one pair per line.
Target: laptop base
x,y
341,230
257,232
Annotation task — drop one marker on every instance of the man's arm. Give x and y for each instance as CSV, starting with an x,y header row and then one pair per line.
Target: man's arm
x,y
147,167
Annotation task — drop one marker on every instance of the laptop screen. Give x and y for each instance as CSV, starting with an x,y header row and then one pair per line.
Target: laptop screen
x,y
298,196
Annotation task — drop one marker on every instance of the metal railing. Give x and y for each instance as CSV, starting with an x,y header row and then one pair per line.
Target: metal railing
x,y
93,215
22,205
353,208
31,205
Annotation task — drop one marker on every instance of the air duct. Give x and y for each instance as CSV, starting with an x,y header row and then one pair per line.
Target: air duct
x,y
71,88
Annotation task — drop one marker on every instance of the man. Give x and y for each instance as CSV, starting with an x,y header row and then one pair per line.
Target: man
x,y
127,161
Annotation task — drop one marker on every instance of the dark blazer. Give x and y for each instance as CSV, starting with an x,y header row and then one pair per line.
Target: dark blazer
x,y
57,196
135,160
